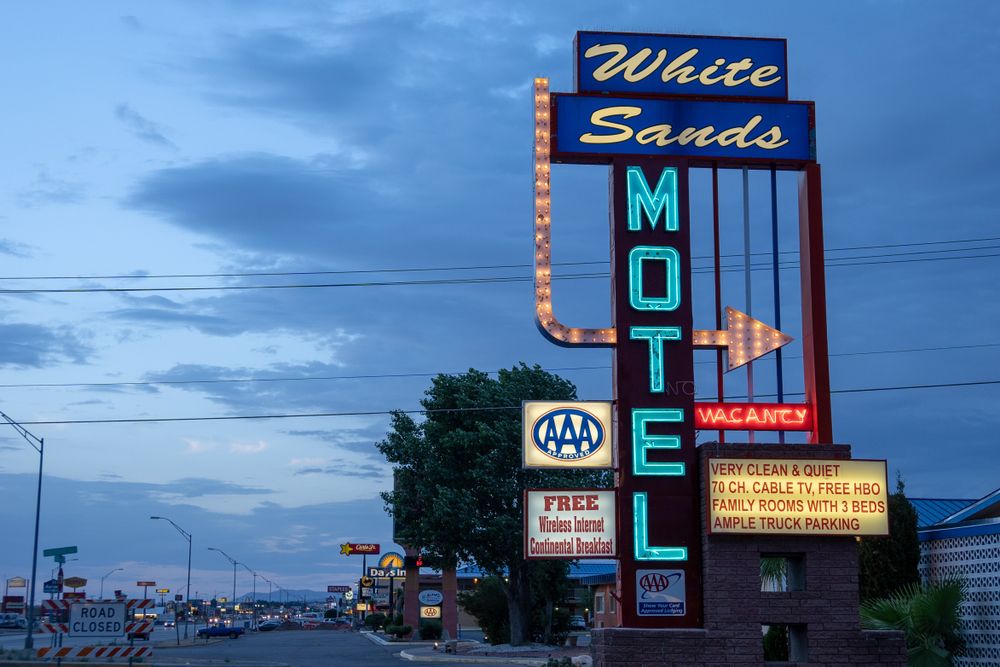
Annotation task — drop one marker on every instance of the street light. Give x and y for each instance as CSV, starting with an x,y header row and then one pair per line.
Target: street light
x,y
117,569
31,439
255,575
187,594
235,563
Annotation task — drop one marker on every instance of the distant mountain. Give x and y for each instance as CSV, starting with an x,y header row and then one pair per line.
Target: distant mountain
x,y
292,595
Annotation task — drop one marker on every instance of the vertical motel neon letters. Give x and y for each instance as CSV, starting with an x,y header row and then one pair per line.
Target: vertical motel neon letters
x,y
643,203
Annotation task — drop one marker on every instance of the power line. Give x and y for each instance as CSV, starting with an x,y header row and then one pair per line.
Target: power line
x,y
431,269
367,413
379,376
452,281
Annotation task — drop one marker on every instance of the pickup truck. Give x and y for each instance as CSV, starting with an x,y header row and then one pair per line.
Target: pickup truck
x,y
220,631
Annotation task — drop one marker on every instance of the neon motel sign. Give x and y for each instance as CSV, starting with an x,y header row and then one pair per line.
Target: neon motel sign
x,y
650,107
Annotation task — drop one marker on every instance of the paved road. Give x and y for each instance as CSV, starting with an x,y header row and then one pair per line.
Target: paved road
x,y
305,648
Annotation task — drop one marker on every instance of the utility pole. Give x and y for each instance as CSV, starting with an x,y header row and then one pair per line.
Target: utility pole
x,y
31,439
235,564
187,595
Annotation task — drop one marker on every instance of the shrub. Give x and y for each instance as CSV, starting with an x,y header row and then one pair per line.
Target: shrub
x,y
398,631
431,629
375,621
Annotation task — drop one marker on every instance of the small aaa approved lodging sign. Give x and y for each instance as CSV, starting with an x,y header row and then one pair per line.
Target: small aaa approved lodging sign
x,y
797,496
569,523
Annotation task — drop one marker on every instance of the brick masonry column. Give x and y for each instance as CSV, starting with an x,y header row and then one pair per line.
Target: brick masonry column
x,y
411,605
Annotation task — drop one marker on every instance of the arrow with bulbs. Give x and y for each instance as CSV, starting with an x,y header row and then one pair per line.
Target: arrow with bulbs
x,y
744,337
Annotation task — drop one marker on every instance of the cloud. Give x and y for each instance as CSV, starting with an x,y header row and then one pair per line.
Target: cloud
x,y
247,447
38,346
345,468
143,128
47,189
198,446
15,249
129,505
264,202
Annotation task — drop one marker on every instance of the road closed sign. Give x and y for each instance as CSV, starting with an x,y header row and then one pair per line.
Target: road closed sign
x,y
97,619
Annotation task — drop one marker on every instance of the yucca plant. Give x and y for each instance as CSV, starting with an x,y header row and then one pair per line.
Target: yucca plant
x,y
929,616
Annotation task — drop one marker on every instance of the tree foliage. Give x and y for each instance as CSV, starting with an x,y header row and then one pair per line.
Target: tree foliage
x,y
459,482
928,615
888,564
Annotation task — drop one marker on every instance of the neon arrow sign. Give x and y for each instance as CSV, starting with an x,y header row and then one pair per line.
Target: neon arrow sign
x,y
744,337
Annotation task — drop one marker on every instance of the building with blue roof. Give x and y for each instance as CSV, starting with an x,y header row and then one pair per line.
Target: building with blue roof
x,y
960,539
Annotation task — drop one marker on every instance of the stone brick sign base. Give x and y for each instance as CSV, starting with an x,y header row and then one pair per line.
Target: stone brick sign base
x,y
819,608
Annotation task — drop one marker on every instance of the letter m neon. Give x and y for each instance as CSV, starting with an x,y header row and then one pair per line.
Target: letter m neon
x,y
641,200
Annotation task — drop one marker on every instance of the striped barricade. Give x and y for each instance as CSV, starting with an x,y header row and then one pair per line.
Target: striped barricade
x,y
94,652
139,627
56,605
54,628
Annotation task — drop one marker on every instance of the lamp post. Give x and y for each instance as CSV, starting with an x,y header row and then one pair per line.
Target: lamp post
x,y
117,569
254,594
187,593
235,563
31,439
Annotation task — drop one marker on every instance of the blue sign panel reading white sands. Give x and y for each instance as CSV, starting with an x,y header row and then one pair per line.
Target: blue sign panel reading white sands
x,y
638,64
595,125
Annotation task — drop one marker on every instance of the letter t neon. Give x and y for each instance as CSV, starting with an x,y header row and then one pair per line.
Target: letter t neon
x,y
655,336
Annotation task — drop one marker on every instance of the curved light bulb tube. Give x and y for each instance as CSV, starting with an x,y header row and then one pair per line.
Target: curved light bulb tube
x,y
545,318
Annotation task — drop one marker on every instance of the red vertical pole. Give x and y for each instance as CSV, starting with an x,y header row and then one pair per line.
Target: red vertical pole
x,y
815,348
718,285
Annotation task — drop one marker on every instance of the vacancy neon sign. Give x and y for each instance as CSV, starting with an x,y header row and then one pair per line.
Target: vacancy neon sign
x,y
753,416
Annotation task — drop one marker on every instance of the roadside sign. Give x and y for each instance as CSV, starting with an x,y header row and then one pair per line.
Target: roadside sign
x,y
97,619
51,586
430,612
75,582
364,548
349,595
17,582
59,551
178,597
337,589
430,597
145,583
162,591
75,595
383,573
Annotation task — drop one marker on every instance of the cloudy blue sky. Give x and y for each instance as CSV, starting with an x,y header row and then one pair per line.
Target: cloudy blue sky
x,y
361,138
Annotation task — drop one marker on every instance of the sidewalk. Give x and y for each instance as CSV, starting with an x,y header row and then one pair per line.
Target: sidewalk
x,y
514,657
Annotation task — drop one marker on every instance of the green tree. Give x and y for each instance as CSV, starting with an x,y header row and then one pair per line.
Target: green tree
x,y
887,564
487,603
459,482
928,615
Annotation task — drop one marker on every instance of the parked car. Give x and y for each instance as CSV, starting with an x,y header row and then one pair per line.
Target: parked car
x,y
269,625
220,631
15,621
577,623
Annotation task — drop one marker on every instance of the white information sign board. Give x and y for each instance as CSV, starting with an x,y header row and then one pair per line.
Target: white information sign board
x,y
569,523
97,619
